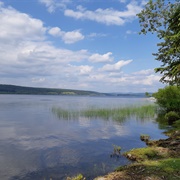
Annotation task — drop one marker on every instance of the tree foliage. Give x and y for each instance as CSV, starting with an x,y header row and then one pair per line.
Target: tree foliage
x,y
169,98
163,18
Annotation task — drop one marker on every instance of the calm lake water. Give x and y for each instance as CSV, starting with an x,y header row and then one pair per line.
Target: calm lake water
x,y
36,144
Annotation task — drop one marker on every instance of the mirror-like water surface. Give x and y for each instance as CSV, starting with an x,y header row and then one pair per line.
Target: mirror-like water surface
x,y
36,144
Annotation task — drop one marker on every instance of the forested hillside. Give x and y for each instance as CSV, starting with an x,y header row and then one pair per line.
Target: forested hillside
x,y
12,89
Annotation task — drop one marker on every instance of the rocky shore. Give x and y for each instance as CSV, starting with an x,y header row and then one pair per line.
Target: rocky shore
x,y
160,160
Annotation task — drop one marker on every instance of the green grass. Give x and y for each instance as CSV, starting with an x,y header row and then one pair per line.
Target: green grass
x,y
169,165
78,177
118,114
65,114
153,169
142,154
140,112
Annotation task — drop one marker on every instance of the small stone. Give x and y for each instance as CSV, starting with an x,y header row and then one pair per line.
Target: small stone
x,y
129,155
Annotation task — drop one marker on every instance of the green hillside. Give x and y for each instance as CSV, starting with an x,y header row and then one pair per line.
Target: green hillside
x,y
12,89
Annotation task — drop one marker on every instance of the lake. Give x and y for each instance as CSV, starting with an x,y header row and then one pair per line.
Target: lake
x,y
37,144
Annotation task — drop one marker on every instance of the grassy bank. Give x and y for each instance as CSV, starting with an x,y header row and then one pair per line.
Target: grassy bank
x,y
167,169
160,160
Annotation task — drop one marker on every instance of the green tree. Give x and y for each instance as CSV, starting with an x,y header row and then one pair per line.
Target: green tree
x,y
163,18
147,94
168,98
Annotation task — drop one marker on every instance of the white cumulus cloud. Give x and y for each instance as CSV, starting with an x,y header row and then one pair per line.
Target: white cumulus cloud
x,y
19,26
101,58
55,31
115,67
68,37
144,72
85,70
107,16
52,5
147,80
29,58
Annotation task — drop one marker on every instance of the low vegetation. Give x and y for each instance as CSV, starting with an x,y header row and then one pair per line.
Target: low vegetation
x,y
142,154
116,151
141,112
65,114
168,99
78,177
151,170
119,114
160,160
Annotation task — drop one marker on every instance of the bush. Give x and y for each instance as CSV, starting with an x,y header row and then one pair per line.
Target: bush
x,y
172,116
168,98
176,124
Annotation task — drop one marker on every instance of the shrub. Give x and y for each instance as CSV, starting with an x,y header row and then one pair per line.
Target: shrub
x,y
169,98
172,116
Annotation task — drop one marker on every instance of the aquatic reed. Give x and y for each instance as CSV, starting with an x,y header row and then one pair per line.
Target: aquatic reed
x,y
141,112
118,114
65,114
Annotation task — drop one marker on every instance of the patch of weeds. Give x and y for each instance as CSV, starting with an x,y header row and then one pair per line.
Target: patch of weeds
x,y
169,165
78,177
121,168
152,169
142,154
116,151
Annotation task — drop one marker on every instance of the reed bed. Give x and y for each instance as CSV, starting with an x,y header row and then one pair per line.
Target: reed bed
x,y
65,114
118,114
141,112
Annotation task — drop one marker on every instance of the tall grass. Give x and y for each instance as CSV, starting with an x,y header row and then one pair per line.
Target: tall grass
x,y
118,114
140,112
65,114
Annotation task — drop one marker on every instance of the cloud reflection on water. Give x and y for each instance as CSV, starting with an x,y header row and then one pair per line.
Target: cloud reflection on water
x,y
33,140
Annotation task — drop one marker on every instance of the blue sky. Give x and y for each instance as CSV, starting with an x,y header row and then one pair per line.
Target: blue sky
x,y
83,44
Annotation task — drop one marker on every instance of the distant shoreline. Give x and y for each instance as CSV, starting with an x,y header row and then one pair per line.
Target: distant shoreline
x,y
14,89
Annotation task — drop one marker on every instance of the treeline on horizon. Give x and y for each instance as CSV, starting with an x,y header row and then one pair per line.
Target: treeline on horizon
x,y
13,89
